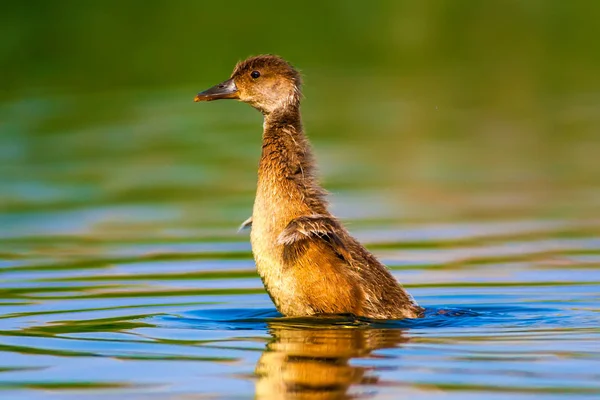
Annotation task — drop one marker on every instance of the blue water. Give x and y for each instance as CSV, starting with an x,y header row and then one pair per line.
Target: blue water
x,y
177,319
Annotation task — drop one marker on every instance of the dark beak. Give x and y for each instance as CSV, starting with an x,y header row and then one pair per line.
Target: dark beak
x,y
225,90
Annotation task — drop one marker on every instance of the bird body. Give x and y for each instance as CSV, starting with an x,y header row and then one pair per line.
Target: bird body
x,y
307,260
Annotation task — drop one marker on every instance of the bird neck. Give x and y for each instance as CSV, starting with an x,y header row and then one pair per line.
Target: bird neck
x,y
287,162
286,116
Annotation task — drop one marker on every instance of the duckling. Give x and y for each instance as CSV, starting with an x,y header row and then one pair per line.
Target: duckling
x,y
308,262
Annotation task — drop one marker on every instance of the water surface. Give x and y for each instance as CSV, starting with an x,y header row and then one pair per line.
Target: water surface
x,y
123,274
459,153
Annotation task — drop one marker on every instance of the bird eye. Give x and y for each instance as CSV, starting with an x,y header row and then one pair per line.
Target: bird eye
x,y
255,74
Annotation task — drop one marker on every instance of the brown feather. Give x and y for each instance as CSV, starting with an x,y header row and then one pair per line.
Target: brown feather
x,y
307,260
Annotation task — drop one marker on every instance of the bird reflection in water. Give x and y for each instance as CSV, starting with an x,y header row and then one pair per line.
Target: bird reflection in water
x,y
313,362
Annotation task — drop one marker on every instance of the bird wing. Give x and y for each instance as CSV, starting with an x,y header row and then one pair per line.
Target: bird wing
x,y
316,226
246,224
316,246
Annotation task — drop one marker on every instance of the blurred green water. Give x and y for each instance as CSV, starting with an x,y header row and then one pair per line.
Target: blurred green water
x,y
541,47
493,92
